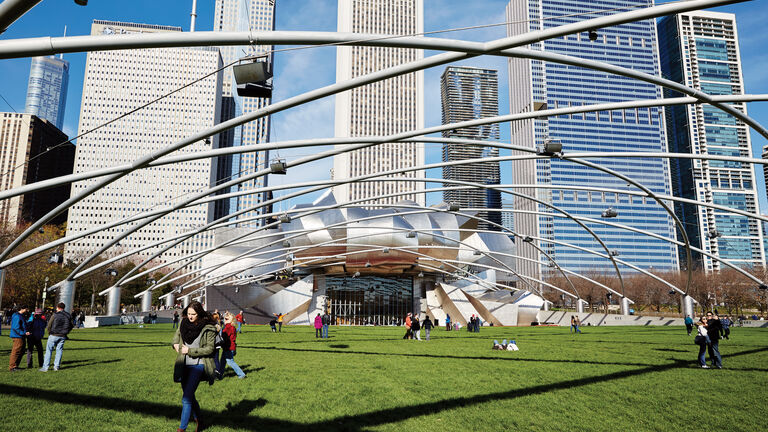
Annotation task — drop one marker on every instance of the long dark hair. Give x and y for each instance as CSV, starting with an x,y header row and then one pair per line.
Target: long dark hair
x,y
202,315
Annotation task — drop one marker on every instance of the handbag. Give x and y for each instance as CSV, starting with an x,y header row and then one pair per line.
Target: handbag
x,y
699,340
178,368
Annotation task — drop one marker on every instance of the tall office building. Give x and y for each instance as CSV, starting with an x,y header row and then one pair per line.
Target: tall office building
x,y
119,81
533,83
765,167
47,89
701,50
243,15
382,108
470,93
24,159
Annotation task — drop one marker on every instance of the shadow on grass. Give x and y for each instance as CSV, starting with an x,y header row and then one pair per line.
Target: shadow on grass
x,y
236,416
454,357
81,363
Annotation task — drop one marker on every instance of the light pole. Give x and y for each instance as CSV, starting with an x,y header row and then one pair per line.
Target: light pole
x,y
45,292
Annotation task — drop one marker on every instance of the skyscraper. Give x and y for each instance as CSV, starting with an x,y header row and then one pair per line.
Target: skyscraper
x,y
382,108
116,82
701,50
47,89
24,159
243,15
534,83
470,93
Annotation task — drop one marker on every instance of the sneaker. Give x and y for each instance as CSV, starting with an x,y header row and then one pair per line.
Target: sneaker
x,y
15,370
242,377
705,367
43,370
55,369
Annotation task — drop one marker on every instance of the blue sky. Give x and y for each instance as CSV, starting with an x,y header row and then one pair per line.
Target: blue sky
x,y
303,70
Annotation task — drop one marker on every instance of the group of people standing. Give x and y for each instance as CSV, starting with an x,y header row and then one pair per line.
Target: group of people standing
x,y
473,326
321,325
413,327
28,330
710,329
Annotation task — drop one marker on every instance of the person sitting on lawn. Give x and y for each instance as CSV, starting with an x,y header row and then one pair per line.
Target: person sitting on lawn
x,y
273,324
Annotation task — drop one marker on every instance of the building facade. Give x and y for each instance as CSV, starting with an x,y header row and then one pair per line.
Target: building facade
x,y
469,93
567,185
243,15
701,50
47,89
24,159
119,81
382,108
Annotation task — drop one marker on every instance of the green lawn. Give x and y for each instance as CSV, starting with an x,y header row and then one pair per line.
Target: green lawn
x,y
366,378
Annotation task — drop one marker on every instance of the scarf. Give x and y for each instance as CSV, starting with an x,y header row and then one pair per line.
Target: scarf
x,y
190,331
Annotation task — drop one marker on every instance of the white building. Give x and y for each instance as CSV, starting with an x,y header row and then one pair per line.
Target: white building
x,y
231,16
115,83
382,108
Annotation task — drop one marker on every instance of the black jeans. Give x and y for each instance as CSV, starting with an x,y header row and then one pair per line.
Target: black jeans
x,y
318,332
37,344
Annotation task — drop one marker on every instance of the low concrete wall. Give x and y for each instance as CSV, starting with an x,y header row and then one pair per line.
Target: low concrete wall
x,y
93,321
598,319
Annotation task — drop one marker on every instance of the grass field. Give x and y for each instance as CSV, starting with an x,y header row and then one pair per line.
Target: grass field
x,y
366,378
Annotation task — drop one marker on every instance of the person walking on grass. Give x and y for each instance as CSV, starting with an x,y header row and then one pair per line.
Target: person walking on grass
x,y
702,340
416,327
229,349
18,335
713,330
688,324
36,327
577,324
194,342
175,319
573,324
326,322
217,342
726,325
59,327
240,318
427,325
447,322
318,326
408,333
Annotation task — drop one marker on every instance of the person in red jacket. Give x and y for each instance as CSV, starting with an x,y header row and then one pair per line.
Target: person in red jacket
x,y
228,348
240,321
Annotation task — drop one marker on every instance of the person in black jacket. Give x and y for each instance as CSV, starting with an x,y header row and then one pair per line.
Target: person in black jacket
x,y
326,321
58,328
427,326
713,330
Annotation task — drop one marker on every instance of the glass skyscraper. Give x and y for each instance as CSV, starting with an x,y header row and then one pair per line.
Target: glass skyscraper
x,y
701,50
470,93
47,89
566,184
